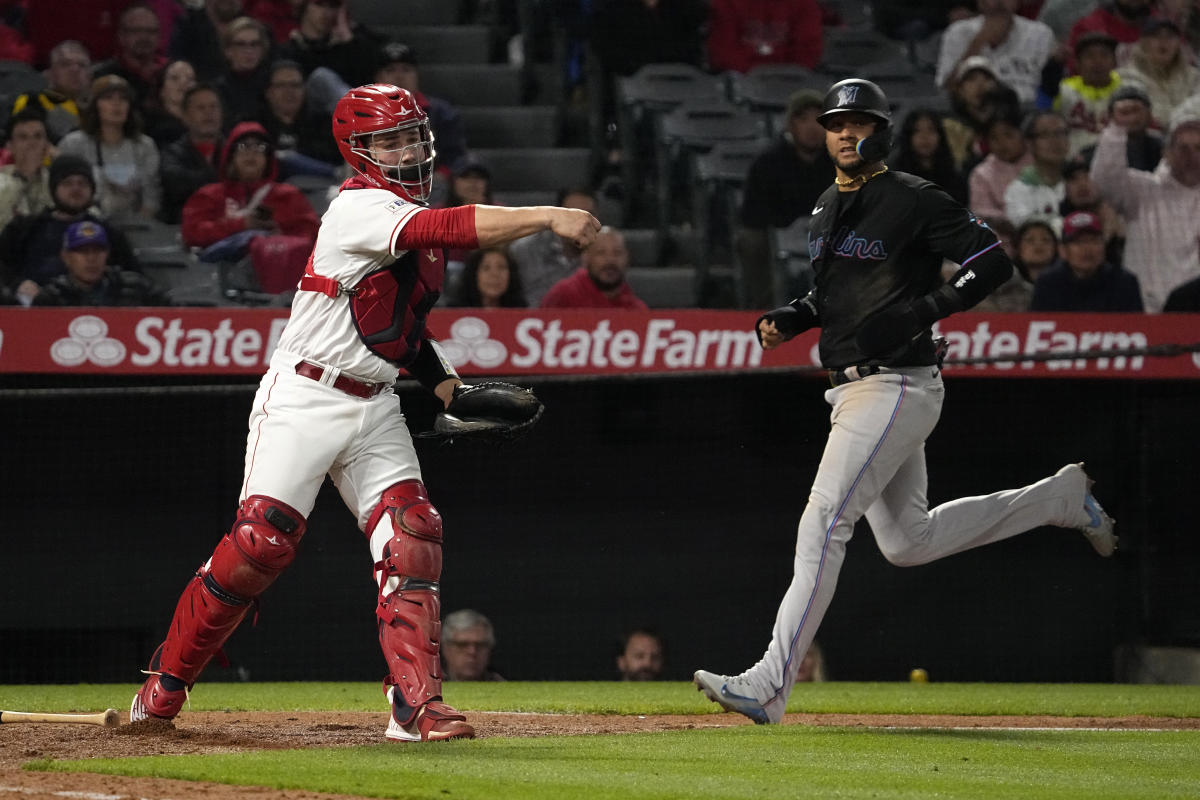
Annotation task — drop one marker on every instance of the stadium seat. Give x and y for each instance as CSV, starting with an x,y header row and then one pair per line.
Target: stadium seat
x,y
375,13
511,126
442,44
847,51
663,287
530,169
793,266
718,176
766,88
473,84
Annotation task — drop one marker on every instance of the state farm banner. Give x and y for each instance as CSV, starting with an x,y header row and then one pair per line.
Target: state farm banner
x,y
215,341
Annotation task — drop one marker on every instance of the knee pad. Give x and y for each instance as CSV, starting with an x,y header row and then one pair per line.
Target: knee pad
x,y
415,549
260,546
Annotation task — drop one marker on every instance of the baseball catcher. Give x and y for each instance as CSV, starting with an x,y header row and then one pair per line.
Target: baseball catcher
x,y
327,406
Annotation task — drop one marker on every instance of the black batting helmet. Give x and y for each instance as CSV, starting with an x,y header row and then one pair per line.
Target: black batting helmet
x,y
856,94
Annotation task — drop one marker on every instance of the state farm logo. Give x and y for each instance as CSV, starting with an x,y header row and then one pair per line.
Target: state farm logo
x,y
469,344
87,340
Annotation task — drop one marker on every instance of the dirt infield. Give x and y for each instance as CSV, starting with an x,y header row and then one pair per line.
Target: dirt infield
x,y
215,732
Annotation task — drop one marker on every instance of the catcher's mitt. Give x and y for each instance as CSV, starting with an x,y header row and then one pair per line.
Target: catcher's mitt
x,y
493,411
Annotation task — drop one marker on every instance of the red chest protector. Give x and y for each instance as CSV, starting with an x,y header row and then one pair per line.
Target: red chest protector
x,y
389,306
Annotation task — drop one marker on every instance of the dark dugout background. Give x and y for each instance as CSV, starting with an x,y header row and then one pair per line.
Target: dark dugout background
x,y
669,502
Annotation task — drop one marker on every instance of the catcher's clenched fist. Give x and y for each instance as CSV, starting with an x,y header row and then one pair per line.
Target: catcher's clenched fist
x,y
575,225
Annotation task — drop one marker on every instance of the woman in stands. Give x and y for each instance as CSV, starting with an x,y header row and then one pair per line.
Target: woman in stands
x,y
124,160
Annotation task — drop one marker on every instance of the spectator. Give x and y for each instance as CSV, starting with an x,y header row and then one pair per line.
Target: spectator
x,y
299,134
1120,19
136,59
1129,106
640,655
1008,154
782,185
30,246
745,33
1039,188
1185,298
190,161
199,33
812,666
1159,64
263,230
468,640
1084,280
397,65
471,183
629,34
164,108
25,183
1161,208
917,20
1081,194
247,48
924,152
491,279
600,282
125,160
545,260
976,96
90,280
67,80
1083,99
1060,15
1016,292
278,15
326,37
1036,249
1016,47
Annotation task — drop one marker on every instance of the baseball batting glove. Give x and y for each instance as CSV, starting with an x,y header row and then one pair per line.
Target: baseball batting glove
x,y
493,411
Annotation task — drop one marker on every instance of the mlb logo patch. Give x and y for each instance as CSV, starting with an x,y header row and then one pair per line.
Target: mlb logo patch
x,y
396,206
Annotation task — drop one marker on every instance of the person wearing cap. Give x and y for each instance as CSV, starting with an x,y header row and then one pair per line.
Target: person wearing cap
x,y
1082,194
1129,107
1084,280
90,280
136,59
1158,63
1083,98
125,160
396,64
1161,208
1120,19
878,239
976,96
30,245
782,185
1017,47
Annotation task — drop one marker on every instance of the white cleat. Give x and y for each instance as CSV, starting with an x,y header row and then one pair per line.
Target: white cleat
x,y
736,694
1099,527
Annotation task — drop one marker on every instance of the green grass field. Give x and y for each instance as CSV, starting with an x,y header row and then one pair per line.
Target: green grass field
x,y
792,761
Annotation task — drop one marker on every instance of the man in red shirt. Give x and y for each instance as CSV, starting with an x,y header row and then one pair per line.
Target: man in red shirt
x,y
600,282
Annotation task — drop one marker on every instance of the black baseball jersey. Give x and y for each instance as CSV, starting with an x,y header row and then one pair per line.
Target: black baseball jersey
x,y
884,244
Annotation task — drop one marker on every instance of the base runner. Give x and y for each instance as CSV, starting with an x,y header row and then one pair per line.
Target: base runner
x,y
877,240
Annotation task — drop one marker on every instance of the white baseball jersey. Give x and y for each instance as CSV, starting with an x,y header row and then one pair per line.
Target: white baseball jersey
x,y
359,234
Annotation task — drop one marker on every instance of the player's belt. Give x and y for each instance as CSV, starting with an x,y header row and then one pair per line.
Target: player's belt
x,y
837,377
342,382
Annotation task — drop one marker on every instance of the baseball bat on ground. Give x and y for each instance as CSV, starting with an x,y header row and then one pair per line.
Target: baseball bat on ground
x,y
109,718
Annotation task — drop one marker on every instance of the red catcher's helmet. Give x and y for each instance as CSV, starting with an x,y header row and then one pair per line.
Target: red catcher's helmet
x,y
380,108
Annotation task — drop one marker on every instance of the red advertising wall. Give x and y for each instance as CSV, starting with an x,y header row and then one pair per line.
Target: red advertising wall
x,y
215,341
